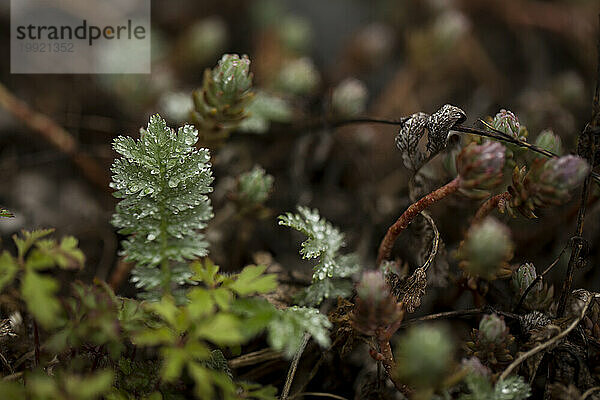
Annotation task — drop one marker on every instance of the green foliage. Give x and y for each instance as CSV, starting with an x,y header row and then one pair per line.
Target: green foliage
x,y
512,388
253,189
41,386
324,243
186,335
36,254
162,181
287,329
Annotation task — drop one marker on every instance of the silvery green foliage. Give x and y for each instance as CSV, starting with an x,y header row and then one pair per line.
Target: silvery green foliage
x,y
162,181
437,125
288,327
254,187
324,243
511,388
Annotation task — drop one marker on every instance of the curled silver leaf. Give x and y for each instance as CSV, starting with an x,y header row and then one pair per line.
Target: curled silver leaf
x,y
408,138
439,125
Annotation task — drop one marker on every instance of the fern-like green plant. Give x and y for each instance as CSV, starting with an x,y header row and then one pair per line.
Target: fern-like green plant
x,y
324,243
163,182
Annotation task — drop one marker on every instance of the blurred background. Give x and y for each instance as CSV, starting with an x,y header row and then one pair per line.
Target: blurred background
x,y
310,60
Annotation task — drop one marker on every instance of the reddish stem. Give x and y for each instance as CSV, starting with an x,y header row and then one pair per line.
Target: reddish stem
x,y
385,248
491,204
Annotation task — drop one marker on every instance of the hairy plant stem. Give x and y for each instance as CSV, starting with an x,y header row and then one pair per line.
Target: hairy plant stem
x,y
387,244
489,206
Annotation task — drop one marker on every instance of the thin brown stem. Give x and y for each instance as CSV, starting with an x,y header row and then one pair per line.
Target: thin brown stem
x,y
490,205
385,350
56,135
385,248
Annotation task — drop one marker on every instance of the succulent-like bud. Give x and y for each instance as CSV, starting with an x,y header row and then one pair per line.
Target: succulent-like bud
x,y
549,182
376,307
507,122
548,140
480,166
486,250
349,98
424,356
491,342
220,105
524,277
492,329
253,188
540,296
299,77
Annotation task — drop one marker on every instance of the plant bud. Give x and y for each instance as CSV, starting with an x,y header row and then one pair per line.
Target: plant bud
x,y
524,276
553,181
376,307
492,329
548,140
507,122
232,76
480,166
486,250
474,366
222,102
254,187
424,356
299,77
349,98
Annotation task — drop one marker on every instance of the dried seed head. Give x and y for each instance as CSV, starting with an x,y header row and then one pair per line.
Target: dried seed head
x,y
480,166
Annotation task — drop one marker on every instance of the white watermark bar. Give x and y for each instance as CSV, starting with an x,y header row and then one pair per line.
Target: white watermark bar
x,y
80,36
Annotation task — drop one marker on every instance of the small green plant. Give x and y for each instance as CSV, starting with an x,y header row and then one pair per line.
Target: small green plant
x,y
324,242
163,182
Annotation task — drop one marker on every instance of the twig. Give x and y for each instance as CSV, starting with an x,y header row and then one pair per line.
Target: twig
x,y
5,361
491,203
447,314
56,135
292,371
550,342
538,279
589,392
320,394
253,358
385,248
591,131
